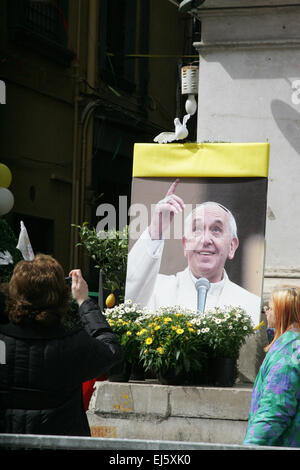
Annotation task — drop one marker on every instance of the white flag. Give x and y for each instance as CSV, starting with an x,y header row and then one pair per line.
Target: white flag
x,y
24,244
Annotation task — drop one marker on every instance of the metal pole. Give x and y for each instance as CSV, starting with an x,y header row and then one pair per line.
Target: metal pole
x,y
100,291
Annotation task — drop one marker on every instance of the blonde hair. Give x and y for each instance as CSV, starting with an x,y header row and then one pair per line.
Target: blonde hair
x,y
286,309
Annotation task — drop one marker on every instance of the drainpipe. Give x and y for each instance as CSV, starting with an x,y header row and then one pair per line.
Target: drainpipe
x,y
75,182
85,119
83,133
87,124
92,65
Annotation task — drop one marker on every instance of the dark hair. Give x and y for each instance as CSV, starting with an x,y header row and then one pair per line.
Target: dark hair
x,y
37,292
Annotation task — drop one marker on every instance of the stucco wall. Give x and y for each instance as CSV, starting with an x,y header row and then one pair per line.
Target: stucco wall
x,y
249,61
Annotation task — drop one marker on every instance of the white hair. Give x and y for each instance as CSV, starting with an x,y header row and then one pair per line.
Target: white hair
x,y
189,219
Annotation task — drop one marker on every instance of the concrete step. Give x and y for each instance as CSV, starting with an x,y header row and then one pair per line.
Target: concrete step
x,y
149,410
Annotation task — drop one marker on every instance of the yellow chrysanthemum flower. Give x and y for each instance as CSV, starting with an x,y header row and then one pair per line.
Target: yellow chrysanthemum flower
x,y
149,340
157,327
141,332
179,331
160,350
128,333
167,319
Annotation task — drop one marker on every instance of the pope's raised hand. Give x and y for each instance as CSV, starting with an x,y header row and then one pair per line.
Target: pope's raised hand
x,y
164,212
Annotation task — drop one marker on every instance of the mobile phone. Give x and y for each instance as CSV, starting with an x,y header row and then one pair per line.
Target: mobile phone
x,y
68,279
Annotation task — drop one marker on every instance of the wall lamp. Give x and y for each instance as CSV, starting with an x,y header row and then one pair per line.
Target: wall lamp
x,y
189,86
188,5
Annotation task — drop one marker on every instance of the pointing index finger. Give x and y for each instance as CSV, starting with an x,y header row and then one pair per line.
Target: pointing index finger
x,y
173,187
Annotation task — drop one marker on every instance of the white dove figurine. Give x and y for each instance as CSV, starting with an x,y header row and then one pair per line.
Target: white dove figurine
x,y
180,133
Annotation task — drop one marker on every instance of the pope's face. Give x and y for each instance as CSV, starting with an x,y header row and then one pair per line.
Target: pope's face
x,y
209,242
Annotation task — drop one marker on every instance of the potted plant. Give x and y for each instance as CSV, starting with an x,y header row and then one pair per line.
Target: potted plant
x,y
124,320
108,251
222,332
169,344
187,347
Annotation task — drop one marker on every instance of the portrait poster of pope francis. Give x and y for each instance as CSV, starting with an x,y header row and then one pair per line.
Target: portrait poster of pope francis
x,y
204,216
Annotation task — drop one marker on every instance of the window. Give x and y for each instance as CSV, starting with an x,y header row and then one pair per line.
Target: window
x,y
117,38
41,25
47,19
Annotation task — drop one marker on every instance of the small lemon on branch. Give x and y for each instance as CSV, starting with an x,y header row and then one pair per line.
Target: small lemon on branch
x,y
110,300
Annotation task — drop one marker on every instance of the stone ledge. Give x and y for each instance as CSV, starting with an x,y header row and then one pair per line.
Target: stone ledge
x,y
173,429
143,399
136,410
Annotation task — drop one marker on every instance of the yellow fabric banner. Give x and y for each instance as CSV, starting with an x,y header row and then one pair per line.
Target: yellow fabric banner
x,y
199,159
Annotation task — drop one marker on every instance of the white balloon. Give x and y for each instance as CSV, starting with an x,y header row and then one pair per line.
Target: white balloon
x,y
6,201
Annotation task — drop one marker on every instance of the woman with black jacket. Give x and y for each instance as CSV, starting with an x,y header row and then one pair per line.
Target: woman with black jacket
x,y
43,364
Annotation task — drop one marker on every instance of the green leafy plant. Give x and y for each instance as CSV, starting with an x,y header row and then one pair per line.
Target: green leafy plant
x,y
222,331
183,341
169,341
124,320
108,250
178,341
8,242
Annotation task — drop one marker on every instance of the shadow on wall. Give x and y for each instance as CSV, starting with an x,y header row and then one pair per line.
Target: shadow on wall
x,y
288,122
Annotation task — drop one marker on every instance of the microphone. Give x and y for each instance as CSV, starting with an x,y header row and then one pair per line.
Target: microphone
x,y
202,286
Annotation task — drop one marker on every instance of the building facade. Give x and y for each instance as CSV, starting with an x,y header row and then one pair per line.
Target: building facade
x,y
249,85
85,80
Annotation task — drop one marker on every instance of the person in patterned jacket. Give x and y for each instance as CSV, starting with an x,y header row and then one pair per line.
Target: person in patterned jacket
x,y
274,416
